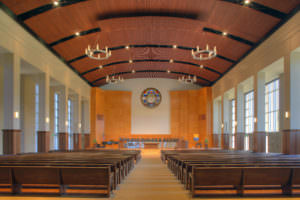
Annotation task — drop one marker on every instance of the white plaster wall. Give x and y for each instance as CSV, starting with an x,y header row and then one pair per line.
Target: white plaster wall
x,y
146,120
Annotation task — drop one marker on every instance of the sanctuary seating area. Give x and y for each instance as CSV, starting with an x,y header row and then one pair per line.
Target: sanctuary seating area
x,y
223,172
95,172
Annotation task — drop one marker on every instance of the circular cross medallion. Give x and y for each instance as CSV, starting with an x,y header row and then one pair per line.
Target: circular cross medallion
x,y
151,97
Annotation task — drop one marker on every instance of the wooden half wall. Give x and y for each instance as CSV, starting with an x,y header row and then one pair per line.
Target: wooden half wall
x,y
191,113
110,115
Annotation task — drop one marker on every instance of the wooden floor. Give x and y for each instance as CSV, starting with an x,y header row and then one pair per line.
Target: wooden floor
x,y
150,180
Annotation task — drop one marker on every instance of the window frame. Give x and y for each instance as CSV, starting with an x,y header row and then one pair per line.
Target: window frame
x,y
272,111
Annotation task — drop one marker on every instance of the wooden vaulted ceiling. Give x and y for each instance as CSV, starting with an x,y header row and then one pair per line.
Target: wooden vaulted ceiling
x,y
151,28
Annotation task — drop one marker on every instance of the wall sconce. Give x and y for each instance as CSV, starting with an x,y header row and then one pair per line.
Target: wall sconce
x,y
235,123
79,125
222,125
287,114
16,115
47,120
255,119
67,123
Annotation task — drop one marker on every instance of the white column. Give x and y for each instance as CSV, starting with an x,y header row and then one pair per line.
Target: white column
x,y
77,114
260,139
86,117
282,104
63,109
290,104
226,114
1,108
259,102
52,133
43,81
43,135
11,90
28,113
63,136
11,93
85,122
294,91
285,95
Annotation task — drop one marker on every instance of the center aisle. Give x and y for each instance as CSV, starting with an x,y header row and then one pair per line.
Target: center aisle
x,y
151,180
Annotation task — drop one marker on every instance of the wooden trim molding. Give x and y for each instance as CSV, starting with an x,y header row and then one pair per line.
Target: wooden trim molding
x,y
63,141
226,141
11,141
259,141
77,141
43,141
240,141
86,140
291,141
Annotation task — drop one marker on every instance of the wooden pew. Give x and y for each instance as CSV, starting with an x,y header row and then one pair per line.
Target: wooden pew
x,y
66,172
240,179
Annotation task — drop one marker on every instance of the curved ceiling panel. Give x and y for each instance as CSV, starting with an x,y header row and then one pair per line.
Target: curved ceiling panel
x,y
151,27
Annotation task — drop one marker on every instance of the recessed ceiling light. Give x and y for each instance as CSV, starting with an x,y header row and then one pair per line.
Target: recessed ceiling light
x,y
224,33
130,61
174,46
133,71
171,61
247,2
100,66
77,33
127,47
55,3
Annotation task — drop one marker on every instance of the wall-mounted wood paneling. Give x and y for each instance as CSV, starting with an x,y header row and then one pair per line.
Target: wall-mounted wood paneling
x,y
191,114
117,114
97,108
110,115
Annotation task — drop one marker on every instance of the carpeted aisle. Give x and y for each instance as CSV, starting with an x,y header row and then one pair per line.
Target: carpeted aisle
x,y
151,180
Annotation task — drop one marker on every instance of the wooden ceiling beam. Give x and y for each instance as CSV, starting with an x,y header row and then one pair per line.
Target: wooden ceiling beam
x,y
149,71
152,60
260,8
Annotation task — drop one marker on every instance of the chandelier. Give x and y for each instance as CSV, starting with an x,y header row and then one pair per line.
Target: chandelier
x,y
114,79
204,54
187,79
97,53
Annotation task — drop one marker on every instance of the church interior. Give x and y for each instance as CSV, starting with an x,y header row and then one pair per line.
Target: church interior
x,y
149,99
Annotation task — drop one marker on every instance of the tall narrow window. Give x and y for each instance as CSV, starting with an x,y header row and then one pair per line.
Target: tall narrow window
x,y
249,116
56,120
271,108
232,119
36,115
70,123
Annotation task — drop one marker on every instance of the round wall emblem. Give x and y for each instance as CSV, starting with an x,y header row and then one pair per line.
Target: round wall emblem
x,y
151,97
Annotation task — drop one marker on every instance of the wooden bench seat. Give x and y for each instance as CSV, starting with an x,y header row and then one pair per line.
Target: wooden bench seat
x,y
62,173
235,173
